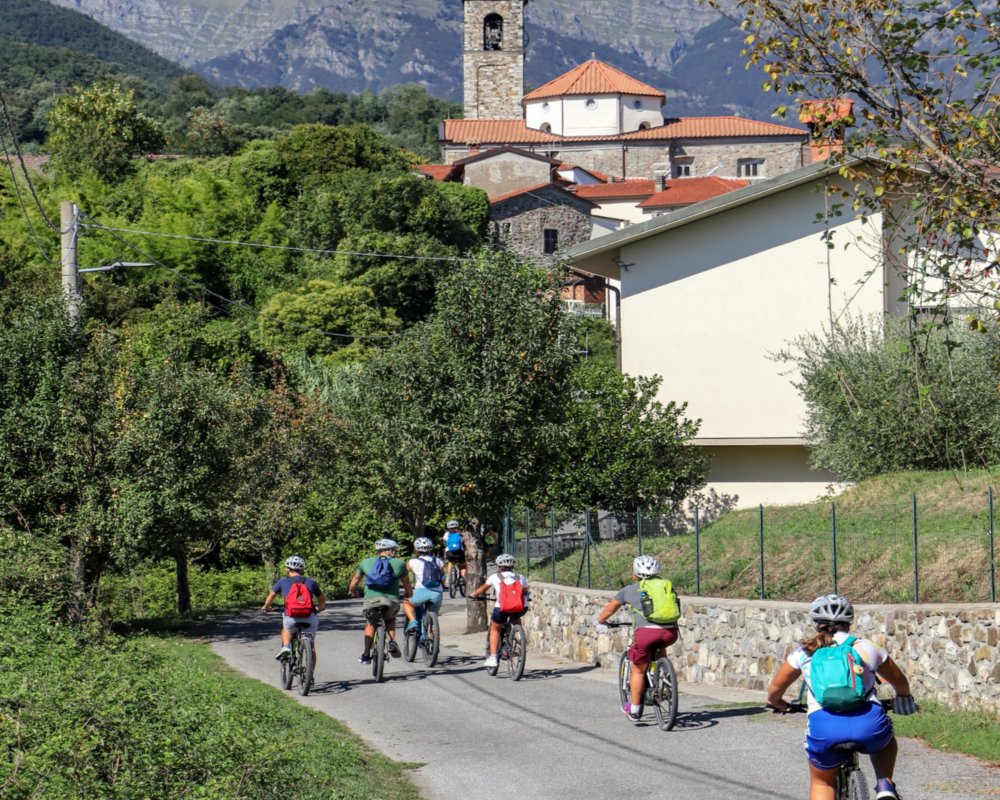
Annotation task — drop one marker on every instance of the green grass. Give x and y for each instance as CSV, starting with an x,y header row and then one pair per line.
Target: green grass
x,y
875,561
969,732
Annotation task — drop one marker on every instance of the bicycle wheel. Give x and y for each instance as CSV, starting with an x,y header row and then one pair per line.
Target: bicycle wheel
x,y
624,673
378,656
492,670
452,580
432,639
411,641
461,584
287,665
305,666
857,785
665,694
517,651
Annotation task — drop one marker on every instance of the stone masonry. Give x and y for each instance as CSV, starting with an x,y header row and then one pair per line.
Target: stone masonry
x,y
493,79
949,652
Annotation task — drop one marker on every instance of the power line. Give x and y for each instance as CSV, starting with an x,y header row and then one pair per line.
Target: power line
x,y
20,200
27,177
262,246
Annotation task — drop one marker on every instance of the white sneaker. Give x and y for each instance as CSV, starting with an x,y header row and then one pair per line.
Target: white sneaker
x,y
491,661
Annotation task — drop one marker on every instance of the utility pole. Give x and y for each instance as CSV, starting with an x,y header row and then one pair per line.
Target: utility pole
x,y
70,269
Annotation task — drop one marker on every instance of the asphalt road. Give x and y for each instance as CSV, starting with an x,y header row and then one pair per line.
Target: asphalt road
x,y
558,732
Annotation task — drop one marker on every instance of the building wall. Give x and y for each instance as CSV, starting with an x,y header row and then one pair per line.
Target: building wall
x,y
493,80
949,652
708,305
768,474
719,157
625,210
529,215
505,173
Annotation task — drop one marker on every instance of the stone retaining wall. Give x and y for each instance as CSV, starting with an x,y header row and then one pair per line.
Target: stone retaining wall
x,y
949,652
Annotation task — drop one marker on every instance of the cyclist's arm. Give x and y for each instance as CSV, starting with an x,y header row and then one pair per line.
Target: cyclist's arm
x,y
269,601
355,580
407,586
320,601
894,676
479,592
608,610
783,678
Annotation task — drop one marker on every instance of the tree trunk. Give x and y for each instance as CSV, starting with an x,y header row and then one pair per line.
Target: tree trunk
x,y
476,551
183,586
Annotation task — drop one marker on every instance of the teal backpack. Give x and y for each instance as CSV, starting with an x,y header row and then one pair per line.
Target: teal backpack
x,y
836,676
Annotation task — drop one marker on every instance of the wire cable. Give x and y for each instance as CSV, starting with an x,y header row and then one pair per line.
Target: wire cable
x,y
27,178
20,200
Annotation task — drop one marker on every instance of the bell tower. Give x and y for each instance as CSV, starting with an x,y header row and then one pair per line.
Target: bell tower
x,y
493,59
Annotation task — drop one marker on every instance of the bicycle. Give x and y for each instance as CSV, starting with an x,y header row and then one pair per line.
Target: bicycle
x,y
513,646
297,667
456,580
426,637
661,684
851,781
380,644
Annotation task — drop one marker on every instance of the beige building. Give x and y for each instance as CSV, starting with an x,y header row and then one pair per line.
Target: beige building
x,y
710,293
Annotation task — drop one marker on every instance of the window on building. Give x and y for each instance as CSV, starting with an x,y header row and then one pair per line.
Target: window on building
x,y
504,231
683,168
551,241
590,104
546,128
493,32
750,168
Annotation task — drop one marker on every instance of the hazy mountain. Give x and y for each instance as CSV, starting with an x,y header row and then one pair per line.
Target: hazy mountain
x,y
351,45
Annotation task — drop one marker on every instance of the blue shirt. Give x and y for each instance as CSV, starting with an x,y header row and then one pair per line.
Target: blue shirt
x,y
283,585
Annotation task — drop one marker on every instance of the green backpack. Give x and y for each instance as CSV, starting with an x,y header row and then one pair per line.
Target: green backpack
x,y
659,601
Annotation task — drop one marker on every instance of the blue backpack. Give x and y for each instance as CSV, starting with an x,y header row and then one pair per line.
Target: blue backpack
x,y
382,576
453,541
836,676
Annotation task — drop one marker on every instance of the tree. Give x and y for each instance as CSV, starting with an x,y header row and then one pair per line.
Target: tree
x,y
624,450
98,130
925,74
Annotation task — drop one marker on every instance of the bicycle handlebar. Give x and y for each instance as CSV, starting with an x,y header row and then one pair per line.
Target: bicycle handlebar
x,y
801,708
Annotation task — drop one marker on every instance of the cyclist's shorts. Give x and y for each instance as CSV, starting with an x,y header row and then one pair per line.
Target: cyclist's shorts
x,y
502,617
288,623
869,726
647,641
386,605
455,556
424,595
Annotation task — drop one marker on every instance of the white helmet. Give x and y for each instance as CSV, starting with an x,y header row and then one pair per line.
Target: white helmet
x,y
831,608
385,544
453,525
645,566
423,545
505,560
296,563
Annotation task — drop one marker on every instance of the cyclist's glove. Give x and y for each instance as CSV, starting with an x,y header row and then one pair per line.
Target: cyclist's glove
x,y
600,627
903,704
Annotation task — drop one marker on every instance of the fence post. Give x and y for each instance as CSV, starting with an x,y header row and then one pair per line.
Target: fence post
x,y
697,553
638,527
916,558
833,527
527,542
760,529
587,534
552,538
507,538
993,574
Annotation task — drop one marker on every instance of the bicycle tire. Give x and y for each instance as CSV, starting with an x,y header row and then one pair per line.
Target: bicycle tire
x,y
461,584
624,673
411,643
452,580
517,651
857,784
665,694
305,670
378,660
492,670
287,676
432,638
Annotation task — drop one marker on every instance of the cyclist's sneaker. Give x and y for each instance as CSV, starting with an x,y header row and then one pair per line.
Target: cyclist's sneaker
x,y
411,625
627,711
886,790
284,653
394,650
491,661
365,659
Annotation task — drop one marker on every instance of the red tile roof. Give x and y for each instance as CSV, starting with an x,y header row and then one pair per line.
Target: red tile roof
x,y
515,131
685,191
593,77
438,172
528,190
619,189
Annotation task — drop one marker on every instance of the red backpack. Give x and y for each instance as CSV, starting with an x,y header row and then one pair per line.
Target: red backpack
x,y
299,600
510,596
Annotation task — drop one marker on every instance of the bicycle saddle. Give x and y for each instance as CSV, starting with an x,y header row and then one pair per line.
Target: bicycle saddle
x,y
848,747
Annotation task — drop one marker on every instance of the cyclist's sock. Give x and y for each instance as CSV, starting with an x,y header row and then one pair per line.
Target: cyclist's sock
x,y
634,708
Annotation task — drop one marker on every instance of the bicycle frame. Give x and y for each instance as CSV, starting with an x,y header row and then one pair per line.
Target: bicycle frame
x,y
659,683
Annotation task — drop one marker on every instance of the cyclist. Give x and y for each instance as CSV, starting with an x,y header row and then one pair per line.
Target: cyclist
x,y
505,574
454,545
295,566
384,597
870,726
648,638
428,574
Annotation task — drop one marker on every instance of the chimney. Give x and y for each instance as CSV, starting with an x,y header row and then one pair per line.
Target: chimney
x,y
827,120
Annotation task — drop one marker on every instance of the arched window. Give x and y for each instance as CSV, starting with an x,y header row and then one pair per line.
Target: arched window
x,y
643,126
493,32
546,128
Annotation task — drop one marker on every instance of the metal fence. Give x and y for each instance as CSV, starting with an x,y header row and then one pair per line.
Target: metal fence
x,y
919,551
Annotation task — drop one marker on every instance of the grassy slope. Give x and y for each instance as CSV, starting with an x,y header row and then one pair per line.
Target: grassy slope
x,y
874,546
